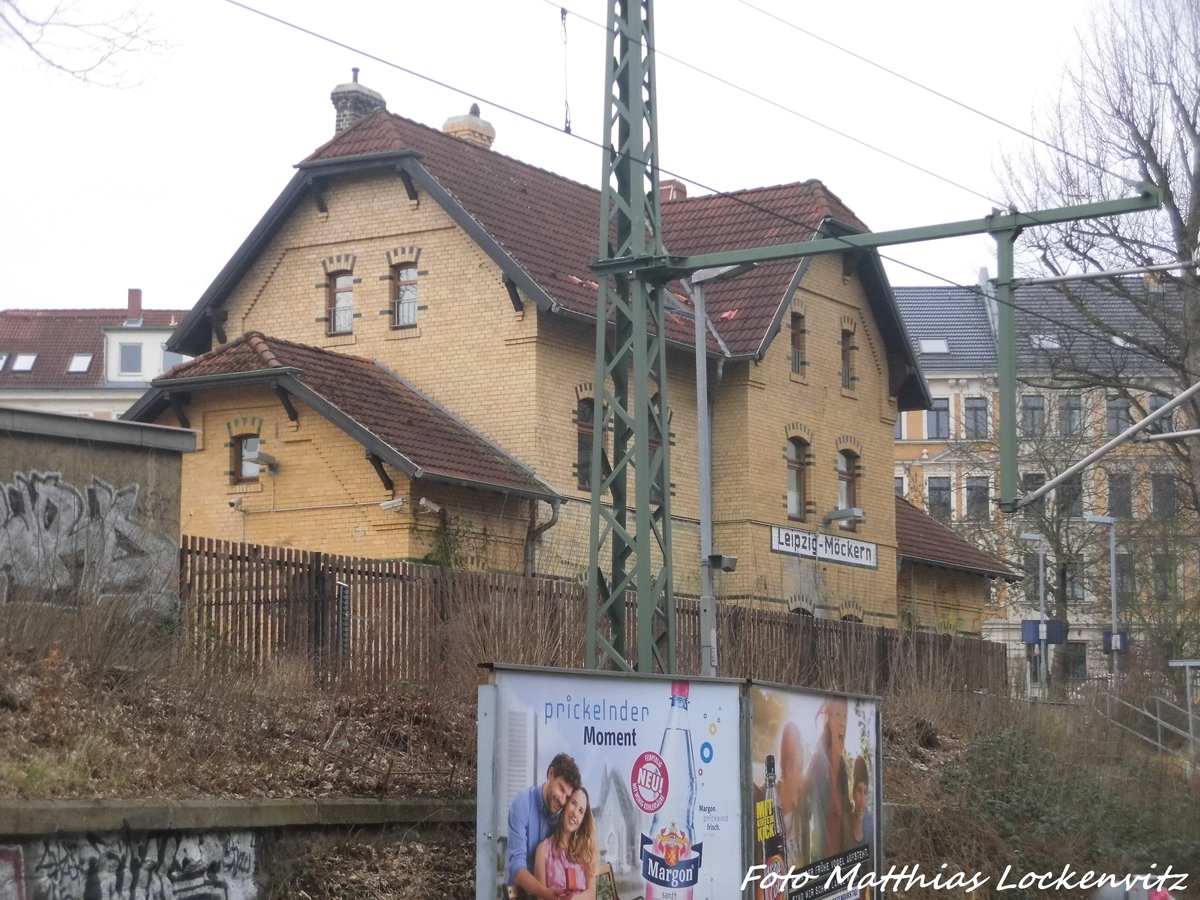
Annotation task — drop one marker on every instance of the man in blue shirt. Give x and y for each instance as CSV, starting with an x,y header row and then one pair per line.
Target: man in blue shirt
x,y
531,819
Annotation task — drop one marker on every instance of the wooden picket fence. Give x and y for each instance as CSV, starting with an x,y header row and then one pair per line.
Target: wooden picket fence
x,y
380,622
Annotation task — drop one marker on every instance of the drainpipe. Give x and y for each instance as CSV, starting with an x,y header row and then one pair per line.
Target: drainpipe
x,y
534,534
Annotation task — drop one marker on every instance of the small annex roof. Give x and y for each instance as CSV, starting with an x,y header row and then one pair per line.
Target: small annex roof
x,y
57,336
388,416
921,538
541,230
956,315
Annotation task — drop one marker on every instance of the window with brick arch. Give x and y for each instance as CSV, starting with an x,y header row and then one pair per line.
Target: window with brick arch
x,y
341,303
404,295
798,338
585,410
847,359
244,467
797,487
847,464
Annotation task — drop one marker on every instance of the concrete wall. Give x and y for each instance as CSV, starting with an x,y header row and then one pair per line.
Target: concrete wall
x,y
89,510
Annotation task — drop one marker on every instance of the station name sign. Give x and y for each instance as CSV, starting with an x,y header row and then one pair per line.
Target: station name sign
x,y
825,547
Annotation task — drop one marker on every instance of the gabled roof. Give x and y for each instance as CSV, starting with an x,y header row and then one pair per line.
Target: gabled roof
x,y
389,417
921,538
542,230
56,335
957,315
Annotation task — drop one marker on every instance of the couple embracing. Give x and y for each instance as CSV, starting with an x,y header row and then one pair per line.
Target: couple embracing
x,y
552,852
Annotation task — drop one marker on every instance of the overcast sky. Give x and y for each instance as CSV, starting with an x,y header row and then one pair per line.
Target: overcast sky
x,y
155,184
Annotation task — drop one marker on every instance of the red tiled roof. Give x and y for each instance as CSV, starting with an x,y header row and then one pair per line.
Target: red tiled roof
x,y
922,538
550,224
441,446
56,335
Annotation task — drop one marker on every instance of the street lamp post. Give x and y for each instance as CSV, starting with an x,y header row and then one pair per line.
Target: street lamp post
x,y
708,559
1043,661
1114,642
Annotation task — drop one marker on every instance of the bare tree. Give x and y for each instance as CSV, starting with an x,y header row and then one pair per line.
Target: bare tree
x,y
1128,112
77,38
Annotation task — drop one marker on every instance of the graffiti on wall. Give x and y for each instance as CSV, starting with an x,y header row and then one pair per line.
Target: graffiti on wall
x,y
12,878
60,543
146,867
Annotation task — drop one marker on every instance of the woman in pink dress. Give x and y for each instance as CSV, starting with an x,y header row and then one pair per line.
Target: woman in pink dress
x,y
566,861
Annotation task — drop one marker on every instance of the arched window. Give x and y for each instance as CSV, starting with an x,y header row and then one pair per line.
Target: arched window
x,y
797,488
585,410
847,464
404,295
341,302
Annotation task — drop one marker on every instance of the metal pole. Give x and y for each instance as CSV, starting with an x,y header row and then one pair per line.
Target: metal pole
x,y
1112,589
1044,662
708,602
1187,680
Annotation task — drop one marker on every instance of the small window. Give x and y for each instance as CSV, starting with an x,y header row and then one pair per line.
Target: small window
x,y
798,344
1126,580
847,464
404,296
130,359
937,419
1069,495
585,411
341,303
23,362
898,428
939,498
3,359
1033,414
797,486
1031,566
1162,496
1030,482
1076,660
979,506
1070,414
1120,495
975,418
934,345
848,349
899,485
79,363
171,359
1073,574
1044,342
1116,416
245,456
1164,576
1166,423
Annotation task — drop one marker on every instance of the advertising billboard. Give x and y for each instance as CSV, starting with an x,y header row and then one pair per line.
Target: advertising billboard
x,y
628,785
816,798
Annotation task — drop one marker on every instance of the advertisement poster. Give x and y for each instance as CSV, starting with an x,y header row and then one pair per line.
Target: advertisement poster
x,y
815,766
659,775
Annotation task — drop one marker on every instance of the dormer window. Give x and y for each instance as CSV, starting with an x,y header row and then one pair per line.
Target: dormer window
x,y
24,362
934,345
1044,342
79,363
130,359
3,360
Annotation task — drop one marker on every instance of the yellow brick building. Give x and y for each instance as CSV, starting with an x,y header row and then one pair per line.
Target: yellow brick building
x,y
464,276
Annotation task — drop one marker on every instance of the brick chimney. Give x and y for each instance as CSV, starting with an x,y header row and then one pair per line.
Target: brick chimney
x,y
471,128
672,189
133,310
354,102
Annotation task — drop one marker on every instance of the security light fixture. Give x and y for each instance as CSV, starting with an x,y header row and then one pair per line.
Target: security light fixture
x,y
724,563
847,516
428,506
267,461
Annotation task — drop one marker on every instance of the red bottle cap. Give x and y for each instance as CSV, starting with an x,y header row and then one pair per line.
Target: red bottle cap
x,y
679,689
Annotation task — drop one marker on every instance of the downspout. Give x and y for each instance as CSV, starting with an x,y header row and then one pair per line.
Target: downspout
x,y
534,534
